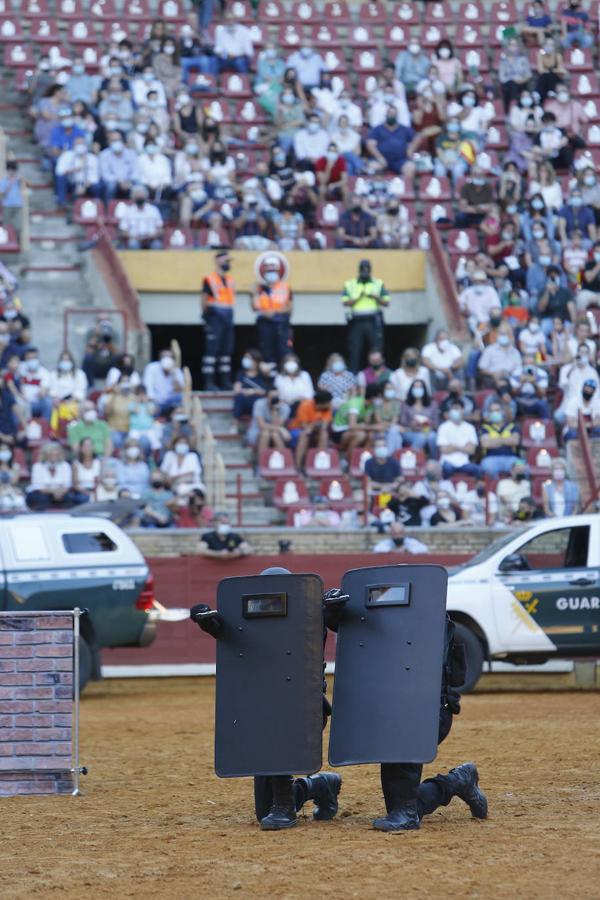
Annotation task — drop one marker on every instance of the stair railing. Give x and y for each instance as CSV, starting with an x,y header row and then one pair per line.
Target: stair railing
x,y
588,461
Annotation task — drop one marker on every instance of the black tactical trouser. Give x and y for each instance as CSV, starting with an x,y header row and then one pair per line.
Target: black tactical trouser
x,y
402,781
365,333
219,334
273,337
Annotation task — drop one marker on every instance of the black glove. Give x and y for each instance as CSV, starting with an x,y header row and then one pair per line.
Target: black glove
x,y
208,619
334,604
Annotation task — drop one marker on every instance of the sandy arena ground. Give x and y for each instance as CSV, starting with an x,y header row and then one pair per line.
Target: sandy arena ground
x,y
155,822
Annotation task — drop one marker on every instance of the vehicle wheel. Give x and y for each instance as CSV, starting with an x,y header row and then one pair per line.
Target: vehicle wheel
x,y
85,663
474,653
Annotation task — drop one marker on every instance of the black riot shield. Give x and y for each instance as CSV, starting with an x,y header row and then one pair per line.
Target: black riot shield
x,y
388,666
269,699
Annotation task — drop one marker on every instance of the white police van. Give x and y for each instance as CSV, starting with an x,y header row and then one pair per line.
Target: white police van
x,y
531,596
57,561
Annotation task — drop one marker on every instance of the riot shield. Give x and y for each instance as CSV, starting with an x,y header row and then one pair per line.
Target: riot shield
x,y
388,666
269,698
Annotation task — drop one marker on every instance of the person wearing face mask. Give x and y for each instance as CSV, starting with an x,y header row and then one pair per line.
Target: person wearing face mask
x,y
448,66
117,168
272,300
291,382
418,420
64,134
270,68
448,513
499,359
512,490
116,106
529,384
474,117
575,26
357,228
223,543
311,142
364,299
412,65
499,440
181,467
142,424
449,160
218,303
399,541
76,175
310,425
588,404
192,54
531,339
81,85
160,504
52,482
590,285
141,224
551,143
554,302
457,442
347,139
67,380
410,368
514,71
117,411
336,379
35,384
123,365
428,487
143,84
525,109
90,426
332,175
133,473
233,47
167,66
391,146
252,382
10,470
443,359
571,378
575,215
154,171
475,200
560,495
163,380
394,228
376,372
308,65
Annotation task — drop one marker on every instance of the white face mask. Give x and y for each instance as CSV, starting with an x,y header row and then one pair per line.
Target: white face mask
x,y
110,483
132,452
247,363
290,367
444,344
271,277
65,365
444,503
533,327
389,395
5,455
181,449
503,340
90,415
338,365
168,363
455,415
444,53
223,528
418,393
381,452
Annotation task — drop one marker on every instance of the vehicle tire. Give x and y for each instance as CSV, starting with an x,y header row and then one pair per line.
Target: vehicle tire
x,y
474,653
85,663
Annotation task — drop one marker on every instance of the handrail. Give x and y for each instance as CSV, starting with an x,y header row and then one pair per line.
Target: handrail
x,y
124,294
3,151
449,295
25,235
588,462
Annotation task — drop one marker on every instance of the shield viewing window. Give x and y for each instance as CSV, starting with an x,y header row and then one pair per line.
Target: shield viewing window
x,y
388,595
262,605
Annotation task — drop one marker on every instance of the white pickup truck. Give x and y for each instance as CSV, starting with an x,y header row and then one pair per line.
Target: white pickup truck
x,y
531,596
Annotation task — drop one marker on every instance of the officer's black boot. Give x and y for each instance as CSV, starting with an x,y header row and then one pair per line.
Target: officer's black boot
x,y
283,811
323,790
464,783
403,816
209,382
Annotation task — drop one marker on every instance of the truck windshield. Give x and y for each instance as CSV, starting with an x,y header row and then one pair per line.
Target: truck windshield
x,y
492,548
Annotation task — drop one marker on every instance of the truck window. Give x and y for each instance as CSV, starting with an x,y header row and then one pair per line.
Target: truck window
x,y
29,543
564,548
88,542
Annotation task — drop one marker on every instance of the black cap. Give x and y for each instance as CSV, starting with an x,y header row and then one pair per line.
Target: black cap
x,y
364,264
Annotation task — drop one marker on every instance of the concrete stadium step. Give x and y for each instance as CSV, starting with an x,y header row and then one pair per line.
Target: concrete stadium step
x,y
44,226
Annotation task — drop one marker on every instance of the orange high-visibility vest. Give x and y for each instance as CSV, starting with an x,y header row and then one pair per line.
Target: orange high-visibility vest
x,y
223,290
277,300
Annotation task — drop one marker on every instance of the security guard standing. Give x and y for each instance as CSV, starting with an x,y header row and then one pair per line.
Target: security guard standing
x,y
272,300
364,299
218,300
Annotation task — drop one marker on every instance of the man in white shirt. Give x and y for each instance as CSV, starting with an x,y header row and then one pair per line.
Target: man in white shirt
x,y
141,223
308,65
312,141
340,106
511,491
82,86
233,46
588,404
76,173
116,106
399,542
457,441
571,379
35,384
116,168
442,358
164,382
477,300
153,170
389,94
500,359
143,84
52,481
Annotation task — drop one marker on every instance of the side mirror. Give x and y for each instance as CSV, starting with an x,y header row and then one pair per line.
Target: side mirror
x,y
514,562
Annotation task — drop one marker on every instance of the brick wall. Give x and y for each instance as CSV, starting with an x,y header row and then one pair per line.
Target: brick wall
x,y
36,700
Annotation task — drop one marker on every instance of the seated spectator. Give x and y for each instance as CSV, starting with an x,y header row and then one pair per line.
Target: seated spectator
x,y
51,482
251,382
550,67
167,66
81,85
350,422
141,225
383,471
529,384
589,407
122,365
289,119
400,542
514,71
555,302
100,350
499,439
560,496
35,385
405,507
67,380
375,373
419,418
394,229
547,186
447,511
223,543
289,227
250,225
527,511
412,65
512,490
574,257
268,425
269,75
448,159
337,379
552,143
391,146
409,369
428,488
320,516
308,65
116,106
159,504
117,167
571,378
163,381
89,426
153,172
575,25
292,383
516,307
499,359
85,469
116,409
145,84
338,107
178,426
76,174
531,339
196,514
63,134
347,140
10,471
133,473
309,426
575,216
12,498
478,300
311,142
448,66
357,228
332,174
457,442
108,487
474,117
181,467
537,23
475,199
443,359
478,506
589,295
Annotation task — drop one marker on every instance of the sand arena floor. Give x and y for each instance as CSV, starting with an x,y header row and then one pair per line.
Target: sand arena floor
x,y
155,822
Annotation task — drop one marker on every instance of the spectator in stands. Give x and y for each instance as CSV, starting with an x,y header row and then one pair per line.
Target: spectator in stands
x,y
338,106
390,92
399,542
475,200
522,111
63,134
117,168
142,424
67,380
375,373
51,481
143,85
448,513
514,72
159,503
589,406
133,473
233,46
218,166
572,376
77,174
406,507
419,418
428,117
11,416
10,470
181,467
269,76
320,516
46,114
100,351
501,358
312,141
582,335
85,469
223,543
457,442
529,384
289,119
332,174
336,379
153,171
347,139
186,120
448,160
537,23
167,66
308,65
116,106
310,424
499,439
122,365
560,496
81,85
575,26
357,228
412,65
267,427
382,470
550,67
448,65
394,229
35,384
250,225
589,295
196,514
428,487
554,302
474,118
531,338
552,143
478,507
141,224
117,411
559,353
443,359
251,382
11,196
292,383
527,511
89,426
350,422
409,369
512,489
391,145
574,215
163,381
289,227
590,191
547,185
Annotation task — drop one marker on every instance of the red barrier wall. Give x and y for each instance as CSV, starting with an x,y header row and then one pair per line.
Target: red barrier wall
x,y
185,580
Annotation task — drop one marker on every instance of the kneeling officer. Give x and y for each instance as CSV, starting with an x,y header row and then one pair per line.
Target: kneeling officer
x,y
270,705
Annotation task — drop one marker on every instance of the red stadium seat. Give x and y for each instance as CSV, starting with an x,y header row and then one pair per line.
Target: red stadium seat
x,y
291,36
367,61
539,461
205,238
337,12
361,35
320,463
462,485
258,34
328,214
305,12
462,242
357,462
91,57
80,32
204,84
338,492
536,488
9,242
116,208
177,238
236,85
115,31
504,13
412,462
272,11
496,138
171,11
44,31
396,36
290,493
37,432
373,13
439,214
136,11
471,12
367,85
87,210
276,464
473,58
35,9
481,396
326,36
21,79
433,189
241,11
537,433
585,84
405,14
11,31
19,56
432,35
70,9
468,34
20,460
103,9
591,108
439,14
578,60
335,60
248,112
